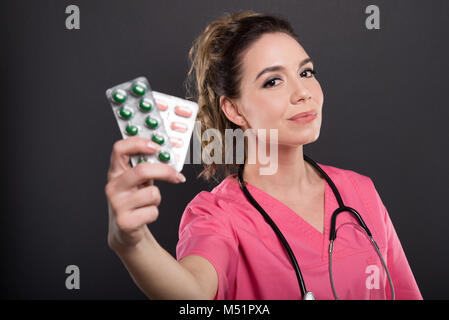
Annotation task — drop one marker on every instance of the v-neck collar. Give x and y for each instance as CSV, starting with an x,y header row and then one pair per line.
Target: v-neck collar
x,y
289,221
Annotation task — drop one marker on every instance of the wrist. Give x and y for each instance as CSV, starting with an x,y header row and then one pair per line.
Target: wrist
x,y
123,247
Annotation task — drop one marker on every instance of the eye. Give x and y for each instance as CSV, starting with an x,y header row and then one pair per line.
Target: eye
x,y
310,71
270,83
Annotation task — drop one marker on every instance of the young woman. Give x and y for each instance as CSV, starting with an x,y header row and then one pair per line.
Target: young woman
x,y
249,71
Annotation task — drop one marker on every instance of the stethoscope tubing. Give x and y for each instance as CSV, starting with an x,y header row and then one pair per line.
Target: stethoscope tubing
x,y
277,231
307,295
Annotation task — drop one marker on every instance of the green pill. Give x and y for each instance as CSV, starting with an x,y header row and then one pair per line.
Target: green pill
x,y
131,130
126,113
142,160
119,96
164,156
145,105
139,88
158,138
151,122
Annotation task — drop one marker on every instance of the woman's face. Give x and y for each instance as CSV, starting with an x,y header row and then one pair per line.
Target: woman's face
x,y
268,99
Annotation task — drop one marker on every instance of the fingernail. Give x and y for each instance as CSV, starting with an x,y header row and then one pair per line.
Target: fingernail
x,y
153,146
180,177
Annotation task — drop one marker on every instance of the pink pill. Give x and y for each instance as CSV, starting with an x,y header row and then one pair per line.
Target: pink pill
x,y
176,142
183,111
162,106
179,126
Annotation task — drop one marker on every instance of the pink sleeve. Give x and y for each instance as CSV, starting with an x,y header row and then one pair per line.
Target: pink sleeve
x,y
404,282
205,230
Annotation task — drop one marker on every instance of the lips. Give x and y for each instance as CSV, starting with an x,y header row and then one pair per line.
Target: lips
x,y
303,114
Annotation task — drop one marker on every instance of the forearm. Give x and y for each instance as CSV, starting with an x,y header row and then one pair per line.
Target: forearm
x,y
157,273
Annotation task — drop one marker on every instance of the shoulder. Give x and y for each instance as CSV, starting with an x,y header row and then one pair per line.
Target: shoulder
x,y
215,205
358,187
350,180
218,198
348,177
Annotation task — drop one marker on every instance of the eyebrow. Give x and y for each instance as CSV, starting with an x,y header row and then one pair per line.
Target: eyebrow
x,y
277,68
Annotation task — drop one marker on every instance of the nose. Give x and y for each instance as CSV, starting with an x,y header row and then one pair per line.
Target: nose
x,y
300,91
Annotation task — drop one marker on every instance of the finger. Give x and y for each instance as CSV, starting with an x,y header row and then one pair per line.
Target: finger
x,y
147,171
124,148
146,184
143,197
142,216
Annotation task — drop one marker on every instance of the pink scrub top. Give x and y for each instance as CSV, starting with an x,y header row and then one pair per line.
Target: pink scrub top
x,y
251,263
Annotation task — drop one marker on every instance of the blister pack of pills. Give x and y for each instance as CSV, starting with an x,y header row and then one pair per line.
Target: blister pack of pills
x,y
164,119
179,117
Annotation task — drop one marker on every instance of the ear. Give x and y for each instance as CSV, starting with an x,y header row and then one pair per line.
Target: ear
x,y
231,111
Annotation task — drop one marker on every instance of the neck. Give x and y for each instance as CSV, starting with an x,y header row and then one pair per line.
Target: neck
x,y
294,176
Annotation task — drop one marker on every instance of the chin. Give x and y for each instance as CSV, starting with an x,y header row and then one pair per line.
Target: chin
x,y
299,138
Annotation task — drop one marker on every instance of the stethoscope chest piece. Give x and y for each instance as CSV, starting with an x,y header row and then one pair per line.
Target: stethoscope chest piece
x,y
309,296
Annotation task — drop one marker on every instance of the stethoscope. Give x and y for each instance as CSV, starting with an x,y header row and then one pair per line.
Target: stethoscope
x,y
308,295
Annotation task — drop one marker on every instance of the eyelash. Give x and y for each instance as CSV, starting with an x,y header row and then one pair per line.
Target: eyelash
x,y
312,71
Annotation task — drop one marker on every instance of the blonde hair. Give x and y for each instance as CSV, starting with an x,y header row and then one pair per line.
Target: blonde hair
x,y
216,70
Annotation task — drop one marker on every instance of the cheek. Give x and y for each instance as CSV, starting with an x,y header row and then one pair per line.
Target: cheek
x,y
317,92
265,112
269,117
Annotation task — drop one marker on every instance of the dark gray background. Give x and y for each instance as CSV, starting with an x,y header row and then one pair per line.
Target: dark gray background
x,y
385,115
